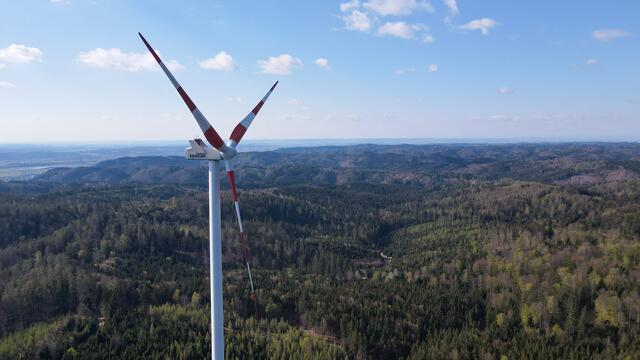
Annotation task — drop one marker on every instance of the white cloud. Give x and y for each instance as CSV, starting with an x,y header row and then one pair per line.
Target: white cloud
x,y
400,29
432,67
453,6
2,66
497,117
504,90
322,62
357,21
232,99
279,65
397,7
403,71
6,85
116,59
222,61
349,5
592,61
484,25
295,102
609,34
20,54
549,118
428,39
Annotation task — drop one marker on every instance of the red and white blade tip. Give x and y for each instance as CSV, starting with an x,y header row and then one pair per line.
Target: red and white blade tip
x,y
241,128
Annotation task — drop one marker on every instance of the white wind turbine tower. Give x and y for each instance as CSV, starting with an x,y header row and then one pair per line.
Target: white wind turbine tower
x,y
221,152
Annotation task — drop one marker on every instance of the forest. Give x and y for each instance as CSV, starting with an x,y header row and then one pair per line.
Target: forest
x,y
520,251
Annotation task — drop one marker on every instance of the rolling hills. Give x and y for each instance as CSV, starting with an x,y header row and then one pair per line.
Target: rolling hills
x,y
516,251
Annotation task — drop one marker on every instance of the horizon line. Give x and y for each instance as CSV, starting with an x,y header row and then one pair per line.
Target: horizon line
x,y
350,141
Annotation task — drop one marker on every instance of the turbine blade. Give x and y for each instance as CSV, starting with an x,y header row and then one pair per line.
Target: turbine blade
x,y
209,132
243,239
241,128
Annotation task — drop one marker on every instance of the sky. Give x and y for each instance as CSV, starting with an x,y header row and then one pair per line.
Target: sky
x,y
76,70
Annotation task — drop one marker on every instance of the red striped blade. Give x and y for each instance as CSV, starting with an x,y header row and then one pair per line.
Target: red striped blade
x,y
243,239
209,132
241,128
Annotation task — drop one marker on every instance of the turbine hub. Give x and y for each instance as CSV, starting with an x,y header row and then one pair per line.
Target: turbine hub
x,y
229,154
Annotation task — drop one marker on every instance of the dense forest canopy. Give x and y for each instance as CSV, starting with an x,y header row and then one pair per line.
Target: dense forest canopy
x,y
363,252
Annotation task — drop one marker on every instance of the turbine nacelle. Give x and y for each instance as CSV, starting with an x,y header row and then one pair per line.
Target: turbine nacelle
x,y
200,151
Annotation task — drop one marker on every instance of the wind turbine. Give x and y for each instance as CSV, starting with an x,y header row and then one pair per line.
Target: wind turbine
x,y
222,152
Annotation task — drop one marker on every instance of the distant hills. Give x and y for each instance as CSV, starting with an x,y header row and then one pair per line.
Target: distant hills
x,y
575,163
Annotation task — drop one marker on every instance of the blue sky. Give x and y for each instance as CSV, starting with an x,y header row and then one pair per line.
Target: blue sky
x,y
76,70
